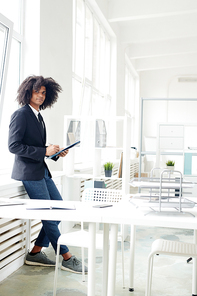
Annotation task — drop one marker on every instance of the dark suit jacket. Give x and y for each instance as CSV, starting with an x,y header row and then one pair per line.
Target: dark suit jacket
x,y
27,142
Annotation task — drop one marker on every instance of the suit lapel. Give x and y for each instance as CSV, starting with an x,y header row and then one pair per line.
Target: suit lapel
x,y
37,124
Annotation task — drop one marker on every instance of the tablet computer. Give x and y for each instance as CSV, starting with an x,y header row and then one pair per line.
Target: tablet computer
x,y
68,147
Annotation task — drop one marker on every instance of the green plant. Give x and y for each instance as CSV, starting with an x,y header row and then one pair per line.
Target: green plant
x,y
108,166
170,163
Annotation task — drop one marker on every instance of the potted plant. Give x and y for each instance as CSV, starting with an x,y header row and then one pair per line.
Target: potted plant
x,y
170,164
108,166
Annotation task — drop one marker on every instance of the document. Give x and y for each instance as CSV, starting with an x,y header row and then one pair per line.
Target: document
x,y
68,147
71,137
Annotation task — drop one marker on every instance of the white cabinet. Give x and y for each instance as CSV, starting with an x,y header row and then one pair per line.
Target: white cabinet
x,y
178,141
170,130
171,136
171,143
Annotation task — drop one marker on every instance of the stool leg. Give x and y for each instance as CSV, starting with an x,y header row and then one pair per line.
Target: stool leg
x,y
132,258
28,236
56,270
83,267
112,260
122,250
105,258
194,275
91,259
149,275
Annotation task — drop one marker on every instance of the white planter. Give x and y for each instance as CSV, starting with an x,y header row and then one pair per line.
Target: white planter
x,y
170,167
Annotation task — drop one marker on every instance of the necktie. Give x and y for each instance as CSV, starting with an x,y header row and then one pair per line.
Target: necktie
x,y
41,123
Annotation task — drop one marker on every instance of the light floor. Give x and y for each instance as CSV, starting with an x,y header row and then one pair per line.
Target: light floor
x,y
172,275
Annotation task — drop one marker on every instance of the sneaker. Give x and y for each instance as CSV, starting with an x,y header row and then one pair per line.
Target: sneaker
x,y
73,265
40,259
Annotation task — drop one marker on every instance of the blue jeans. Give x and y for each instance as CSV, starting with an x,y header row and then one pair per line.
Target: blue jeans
x,y
46,189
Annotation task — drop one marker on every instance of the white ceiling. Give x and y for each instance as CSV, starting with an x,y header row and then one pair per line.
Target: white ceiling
x,y
158,34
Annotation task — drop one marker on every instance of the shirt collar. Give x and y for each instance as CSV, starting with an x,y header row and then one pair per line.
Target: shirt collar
x,y
34,110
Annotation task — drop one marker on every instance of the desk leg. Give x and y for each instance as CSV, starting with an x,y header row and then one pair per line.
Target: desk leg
x,y
105,258
91,259
28,236
132,257
194,275
112,260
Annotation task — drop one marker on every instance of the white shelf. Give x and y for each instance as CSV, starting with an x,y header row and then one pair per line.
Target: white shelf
x,y
90,176
80,176
107,178
97,155
161,153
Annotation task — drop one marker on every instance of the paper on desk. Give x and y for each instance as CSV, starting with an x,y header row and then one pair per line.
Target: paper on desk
x,y
50,208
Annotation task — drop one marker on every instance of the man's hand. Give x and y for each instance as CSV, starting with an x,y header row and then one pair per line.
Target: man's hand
x,y
64,153
52,149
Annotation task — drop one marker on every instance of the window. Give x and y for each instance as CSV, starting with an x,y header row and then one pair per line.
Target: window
x,y
131,97
91,69
5,44
129,92
3,41
10,57
10,105
91,63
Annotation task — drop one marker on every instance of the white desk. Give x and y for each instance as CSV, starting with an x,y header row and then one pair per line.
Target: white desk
x,y
126,213
121,213
83,212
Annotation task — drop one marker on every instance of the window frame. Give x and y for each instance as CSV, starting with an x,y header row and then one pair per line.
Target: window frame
x,y
85,82
6,56
132,75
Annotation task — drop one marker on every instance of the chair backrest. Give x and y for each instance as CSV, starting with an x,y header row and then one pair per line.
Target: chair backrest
x,y
102,195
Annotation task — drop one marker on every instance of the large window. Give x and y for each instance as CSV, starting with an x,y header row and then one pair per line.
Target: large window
x,y
91,64
131,97
91,71
10,57
6,27
4,33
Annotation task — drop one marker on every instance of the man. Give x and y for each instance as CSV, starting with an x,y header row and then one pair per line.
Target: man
x,y
27,140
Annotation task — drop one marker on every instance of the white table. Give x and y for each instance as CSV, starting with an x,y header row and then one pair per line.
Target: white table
x,y
126,213
83,212
121,213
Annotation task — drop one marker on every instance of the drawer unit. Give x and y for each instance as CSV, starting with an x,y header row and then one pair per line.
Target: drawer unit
x,y
171,130
171,143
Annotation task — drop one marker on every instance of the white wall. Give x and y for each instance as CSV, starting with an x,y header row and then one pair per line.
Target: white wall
x,y
50,54
31,44
164,84
158,83
56,62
